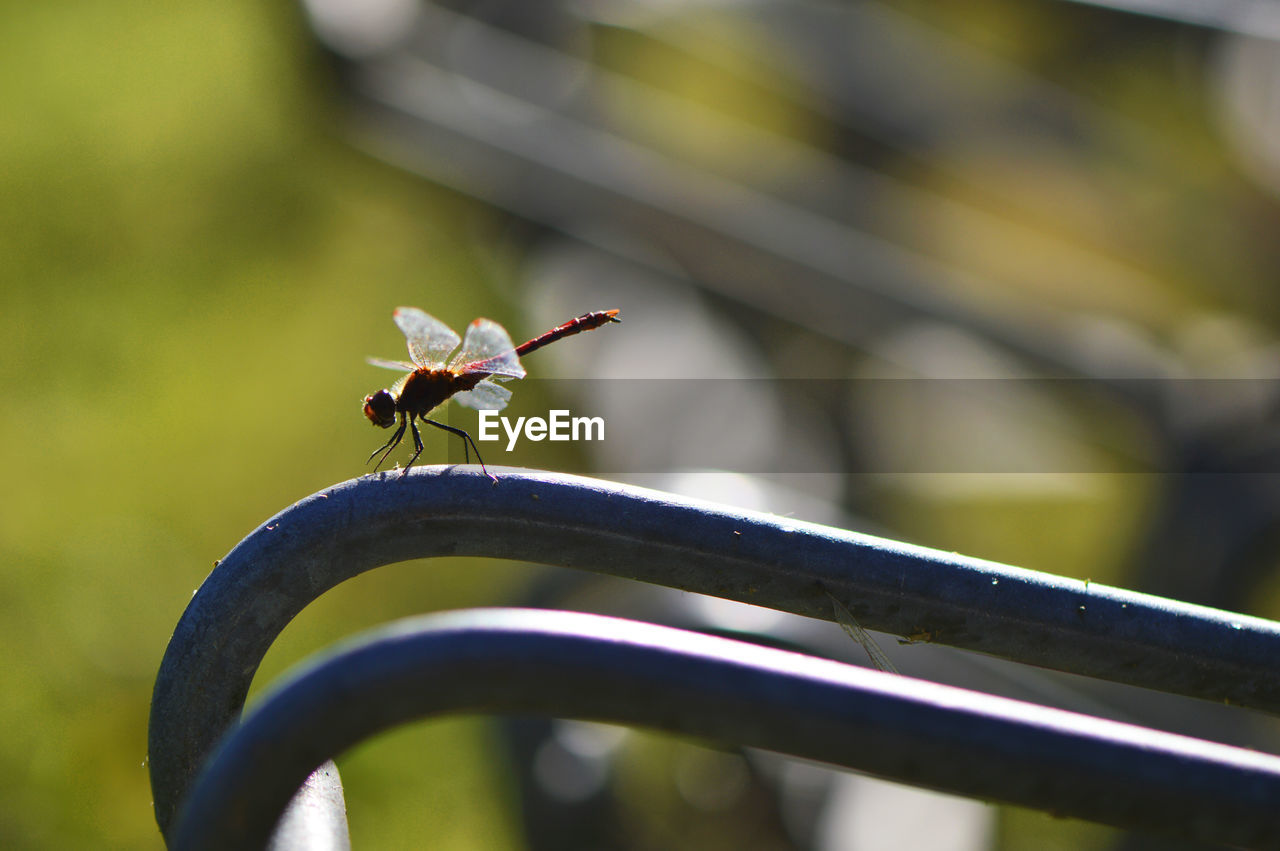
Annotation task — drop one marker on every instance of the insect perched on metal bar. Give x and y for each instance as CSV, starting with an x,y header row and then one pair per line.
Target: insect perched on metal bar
x,y
469,376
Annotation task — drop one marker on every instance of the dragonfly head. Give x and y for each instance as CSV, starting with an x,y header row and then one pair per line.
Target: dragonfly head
x,y
380,408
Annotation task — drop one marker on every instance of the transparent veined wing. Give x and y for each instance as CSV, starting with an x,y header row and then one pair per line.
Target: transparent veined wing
x,y
430,340
854,630
487,348
485,396
392,364
395,389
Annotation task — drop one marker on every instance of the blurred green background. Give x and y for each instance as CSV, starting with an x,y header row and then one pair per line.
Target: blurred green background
x,y
194,270
195,266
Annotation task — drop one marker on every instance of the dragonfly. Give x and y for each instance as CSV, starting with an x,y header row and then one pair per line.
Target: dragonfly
x,y
440,370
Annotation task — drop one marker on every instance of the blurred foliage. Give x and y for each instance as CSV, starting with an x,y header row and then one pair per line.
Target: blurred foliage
x,y
195,267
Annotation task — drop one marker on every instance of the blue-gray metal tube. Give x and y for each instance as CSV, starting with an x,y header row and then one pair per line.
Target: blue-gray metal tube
x,y
610,528
586,666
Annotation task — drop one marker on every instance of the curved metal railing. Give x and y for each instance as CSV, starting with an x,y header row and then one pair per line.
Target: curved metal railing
x,y
754,558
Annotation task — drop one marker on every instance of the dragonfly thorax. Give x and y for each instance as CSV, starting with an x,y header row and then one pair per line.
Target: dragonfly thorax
x,y
426,389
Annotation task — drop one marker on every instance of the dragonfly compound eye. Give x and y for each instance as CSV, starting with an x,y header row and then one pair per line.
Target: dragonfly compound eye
x,y
380,408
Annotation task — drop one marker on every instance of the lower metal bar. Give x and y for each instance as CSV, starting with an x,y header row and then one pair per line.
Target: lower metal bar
x,y
607,669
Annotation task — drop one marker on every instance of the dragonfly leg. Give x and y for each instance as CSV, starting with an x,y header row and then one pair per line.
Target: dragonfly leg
x,y
389,445
417,446
466,439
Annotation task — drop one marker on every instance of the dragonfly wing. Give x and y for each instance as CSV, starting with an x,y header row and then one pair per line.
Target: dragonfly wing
x,y
485,396
488,348
854,630
395,389
430,340
392,364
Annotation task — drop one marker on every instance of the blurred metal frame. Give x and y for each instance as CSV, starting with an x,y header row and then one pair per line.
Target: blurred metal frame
x,y
1259,18
494,101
